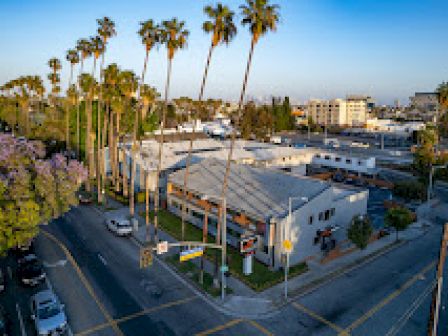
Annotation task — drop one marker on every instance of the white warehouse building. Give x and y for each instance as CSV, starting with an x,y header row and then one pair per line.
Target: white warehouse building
x,y
257,203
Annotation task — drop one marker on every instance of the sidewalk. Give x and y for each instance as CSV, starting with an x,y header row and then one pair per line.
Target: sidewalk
x,y
246,303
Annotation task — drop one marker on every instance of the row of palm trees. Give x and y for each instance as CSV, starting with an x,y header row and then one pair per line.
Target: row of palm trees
x,y
115,90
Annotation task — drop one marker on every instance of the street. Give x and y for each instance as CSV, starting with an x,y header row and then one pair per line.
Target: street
x,y
106,293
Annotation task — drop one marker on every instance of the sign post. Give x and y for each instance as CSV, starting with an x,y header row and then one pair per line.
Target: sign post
x,y
287,247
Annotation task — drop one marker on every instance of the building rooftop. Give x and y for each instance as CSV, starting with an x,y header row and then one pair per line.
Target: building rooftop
x,y
259,192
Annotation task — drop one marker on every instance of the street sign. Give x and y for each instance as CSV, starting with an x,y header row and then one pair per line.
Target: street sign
x,y
248,244
287,246
162,247
224,268
191,254
145,257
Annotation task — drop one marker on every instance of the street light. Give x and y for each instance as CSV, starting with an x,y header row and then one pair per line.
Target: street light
x,y
285,231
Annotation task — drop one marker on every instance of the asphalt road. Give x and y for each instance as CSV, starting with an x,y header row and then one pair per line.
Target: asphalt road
x,y
110,295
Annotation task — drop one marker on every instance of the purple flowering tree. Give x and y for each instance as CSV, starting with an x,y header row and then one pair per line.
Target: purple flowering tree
x,y
33,190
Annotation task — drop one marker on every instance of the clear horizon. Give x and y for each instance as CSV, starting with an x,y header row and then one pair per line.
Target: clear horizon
x,y
322,49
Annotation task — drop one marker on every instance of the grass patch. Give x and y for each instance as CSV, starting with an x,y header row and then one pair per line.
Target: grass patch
x,y
194,272
261,278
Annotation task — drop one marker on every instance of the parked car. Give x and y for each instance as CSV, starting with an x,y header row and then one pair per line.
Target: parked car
x,y
30,271
5,323
84,199
121,227
48,314
2,281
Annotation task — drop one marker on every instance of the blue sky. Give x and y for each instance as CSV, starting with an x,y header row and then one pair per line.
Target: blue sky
x,y
323,48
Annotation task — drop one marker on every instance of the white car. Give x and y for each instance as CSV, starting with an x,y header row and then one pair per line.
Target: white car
x,y
48,314
121,227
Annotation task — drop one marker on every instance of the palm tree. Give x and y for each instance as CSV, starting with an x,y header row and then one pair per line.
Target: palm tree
x,y
261,17
54,78
174,36
106,29
85,49
128,82
151,36
97,50
88,86
111,78
72,57
223,30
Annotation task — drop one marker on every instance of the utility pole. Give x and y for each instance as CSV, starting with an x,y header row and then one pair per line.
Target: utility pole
x,y
437,292
224,247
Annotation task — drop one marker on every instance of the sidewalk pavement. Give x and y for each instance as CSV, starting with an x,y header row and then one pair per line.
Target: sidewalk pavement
x,y
268,302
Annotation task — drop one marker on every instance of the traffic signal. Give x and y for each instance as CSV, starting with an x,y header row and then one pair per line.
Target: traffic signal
x,y
145,257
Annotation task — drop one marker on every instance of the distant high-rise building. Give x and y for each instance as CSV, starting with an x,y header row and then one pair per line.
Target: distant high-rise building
x,y
352,111
425,101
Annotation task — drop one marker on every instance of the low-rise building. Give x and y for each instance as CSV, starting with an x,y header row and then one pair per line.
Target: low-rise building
x,y
257,203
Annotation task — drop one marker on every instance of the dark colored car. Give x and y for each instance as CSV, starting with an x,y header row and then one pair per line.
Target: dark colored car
x,y
30,271
84,199
5,323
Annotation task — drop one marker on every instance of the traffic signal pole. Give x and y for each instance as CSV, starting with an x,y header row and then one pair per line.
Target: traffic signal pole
x,y
437,292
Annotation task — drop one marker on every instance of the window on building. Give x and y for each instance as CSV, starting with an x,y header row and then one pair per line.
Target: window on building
x,y
318,156
321,215
327,157
348,161
337,159
310,220
327,215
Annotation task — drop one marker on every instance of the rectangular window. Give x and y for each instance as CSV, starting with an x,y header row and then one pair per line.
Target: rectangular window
x,y
321,215
327,157
327,215
348,161
310,220
337,159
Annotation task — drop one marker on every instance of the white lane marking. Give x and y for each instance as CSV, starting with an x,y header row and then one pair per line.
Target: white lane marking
x,y
22,325
102,259
9,272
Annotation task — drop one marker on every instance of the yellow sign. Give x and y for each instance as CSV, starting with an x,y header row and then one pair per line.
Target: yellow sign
x,y
191,254
287,245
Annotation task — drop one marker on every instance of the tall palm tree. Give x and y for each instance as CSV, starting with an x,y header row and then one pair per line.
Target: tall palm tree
x,y
222,29
54,77
261,17
128,83
174,36
72,57
106,29
97,50
150,35
111,78
85,49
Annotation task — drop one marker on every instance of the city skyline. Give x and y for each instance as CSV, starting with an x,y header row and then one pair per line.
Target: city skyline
x,y
322,49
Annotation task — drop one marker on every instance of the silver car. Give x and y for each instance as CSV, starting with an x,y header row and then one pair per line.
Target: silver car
x,y
48,314
121,227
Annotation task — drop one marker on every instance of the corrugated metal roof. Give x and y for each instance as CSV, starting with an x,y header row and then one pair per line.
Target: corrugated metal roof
x,y
260,192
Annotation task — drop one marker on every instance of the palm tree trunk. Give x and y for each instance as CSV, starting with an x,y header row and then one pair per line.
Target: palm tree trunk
x,y
78,112
98,140
204,240
87,146
103,145
147,236
190,148
111,145
159,165
134,140
232,144
117,155
67,113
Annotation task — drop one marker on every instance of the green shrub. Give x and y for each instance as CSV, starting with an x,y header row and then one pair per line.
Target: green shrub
x,y
410,190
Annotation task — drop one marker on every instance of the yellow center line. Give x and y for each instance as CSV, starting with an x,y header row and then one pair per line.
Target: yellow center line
x,y
317,317
85,282
260,327
220,327
389,298
135,315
